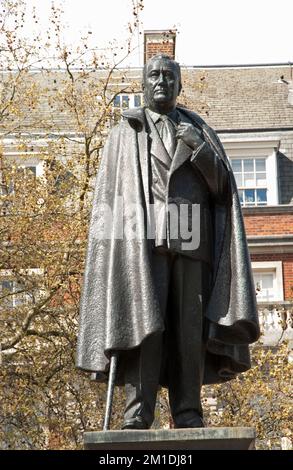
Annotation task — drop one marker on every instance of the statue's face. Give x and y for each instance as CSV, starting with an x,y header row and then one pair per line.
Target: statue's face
x,y
161,85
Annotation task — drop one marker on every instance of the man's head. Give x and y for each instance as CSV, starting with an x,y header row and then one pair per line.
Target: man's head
x,y
161,83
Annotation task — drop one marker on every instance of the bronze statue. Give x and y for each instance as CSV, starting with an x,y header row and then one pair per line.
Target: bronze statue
x,y
170,293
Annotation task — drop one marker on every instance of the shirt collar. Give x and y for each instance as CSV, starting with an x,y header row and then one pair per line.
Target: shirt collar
x,y
156,116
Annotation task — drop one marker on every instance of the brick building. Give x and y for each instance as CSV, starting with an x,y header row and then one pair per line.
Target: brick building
x,y
251,108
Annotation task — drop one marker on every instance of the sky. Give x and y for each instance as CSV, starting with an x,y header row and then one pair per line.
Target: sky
x,y
210,32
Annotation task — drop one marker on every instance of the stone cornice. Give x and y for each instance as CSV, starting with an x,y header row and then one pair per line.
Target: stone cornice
x,y
270,244
260,210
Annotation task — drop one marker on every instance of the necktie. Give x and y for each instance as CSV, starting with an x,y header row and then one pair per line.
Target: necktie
x,y
168,135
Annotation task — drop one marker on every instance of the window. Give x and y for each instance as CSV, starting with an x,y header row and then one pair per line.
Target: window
x,y
251,180
12,293
125,101
254,163
268,281
264,284
31,169
26,169
137,101
15,292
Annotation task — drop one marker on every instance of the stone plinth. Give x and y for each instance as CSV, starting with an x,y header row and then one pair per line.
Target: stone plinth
x,y
172,439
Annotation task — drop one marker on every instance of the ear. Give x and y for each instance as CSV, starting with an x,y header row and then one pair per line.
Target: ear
x,y
180,88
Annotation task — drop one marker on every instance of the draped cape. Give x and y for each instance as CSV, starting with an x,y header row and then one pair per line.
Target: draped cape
x,y
119,304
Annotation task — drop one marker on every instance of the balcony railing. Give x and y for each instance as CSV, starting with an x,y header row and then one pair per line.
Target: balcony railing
x,y
276,322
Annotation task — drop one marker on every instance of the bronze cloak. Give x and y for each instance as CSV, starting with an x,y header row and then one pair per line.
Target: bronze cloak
x,y
119,306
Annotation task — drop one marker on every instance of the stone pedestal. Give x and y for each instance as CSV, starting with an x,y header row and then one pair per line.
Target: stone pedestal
x,y
172,439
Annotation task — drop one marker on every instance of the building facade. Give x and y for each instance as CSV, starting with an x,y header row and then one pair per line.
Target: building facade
x,y
251,108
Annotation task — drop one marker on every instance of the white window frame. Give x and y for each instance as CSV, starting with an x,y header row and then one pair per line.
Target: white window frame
x,y
243,173
131,98
14,294
23,160
272,267
8,275
259,149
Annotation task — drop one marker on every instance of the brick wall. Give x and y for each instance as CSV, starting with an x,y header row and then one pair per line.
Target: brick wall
x,y
163,47
287,263
159,42
269,224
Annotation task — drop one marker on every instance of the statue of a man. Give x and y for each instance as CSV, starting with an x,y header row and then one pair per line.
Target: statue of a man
x,y
169,288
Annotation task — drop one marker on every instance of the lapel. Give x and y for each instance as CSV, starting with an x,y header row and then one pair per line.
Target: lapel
x,y
142,141
138,116
157,147
183,152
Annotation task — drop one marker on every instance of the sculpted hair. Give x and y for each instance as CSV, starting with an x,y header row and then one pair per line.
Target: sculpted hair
x,y
162,57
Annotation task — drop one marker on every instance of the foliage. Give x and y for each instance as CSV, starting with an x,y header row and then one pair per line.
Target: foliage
x,y
58,119
261,398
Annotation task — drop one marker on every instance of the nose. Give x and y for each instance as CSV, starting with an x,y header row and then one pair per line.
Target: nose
x,y
161,78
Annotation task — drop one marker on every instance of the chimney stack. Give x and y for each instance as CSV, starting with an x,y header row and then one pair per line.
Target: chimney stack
x,y
159,42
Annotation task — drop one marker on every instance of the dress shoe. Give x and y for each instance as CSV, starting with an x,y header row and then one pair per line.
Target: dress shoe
x,y
188,420
135,423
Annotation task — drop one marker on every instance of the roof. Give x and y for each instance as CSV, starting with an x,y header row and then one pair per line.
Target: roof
x,y
228,98
252,97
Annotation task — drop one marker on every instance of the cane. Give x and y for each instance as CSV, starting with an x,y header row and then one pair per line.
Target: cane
x,y
110,391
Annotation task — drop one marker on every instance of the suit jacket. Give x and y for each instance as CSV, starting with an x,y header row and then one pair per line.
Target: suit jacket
x,y
200,179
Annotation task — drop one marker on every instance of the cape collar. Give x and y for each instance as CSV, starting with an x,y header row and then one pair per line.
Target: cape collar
x,y
136,117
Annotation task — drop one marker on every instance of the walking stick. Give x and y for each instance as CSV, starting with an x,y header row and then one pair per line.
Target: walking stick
x,y
110,391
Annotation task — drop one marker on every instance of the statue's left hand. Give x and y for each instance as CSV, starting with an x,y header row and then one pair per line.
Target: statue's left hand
x,y
189,134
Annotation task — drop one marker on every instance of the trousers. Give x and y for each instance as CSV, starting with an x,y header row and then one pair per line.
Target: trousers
x,y
178,353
